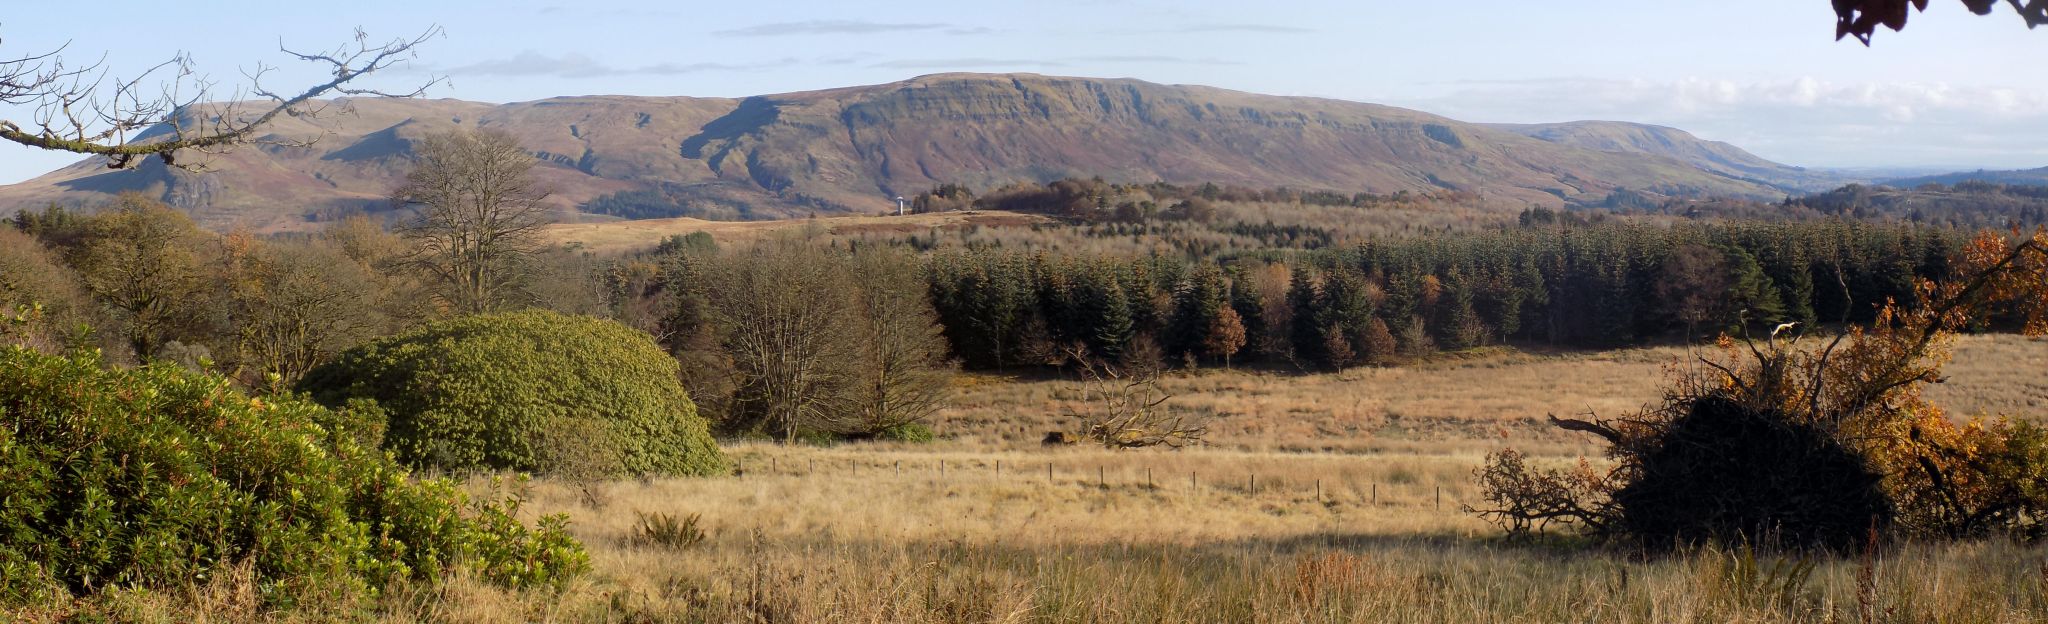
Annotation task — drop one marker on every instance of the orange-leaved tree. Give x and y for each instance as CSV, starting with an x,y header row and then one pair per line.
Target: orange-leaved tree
x,y
1815,443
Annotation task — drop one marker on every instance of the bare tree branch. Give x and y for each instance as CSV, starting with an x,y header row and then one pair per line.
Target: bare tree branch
x,y
1127,409
83,110
1592,427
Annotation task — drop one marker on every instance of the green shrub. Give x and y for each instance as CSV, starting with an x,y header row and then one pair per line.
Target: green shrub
x,y
668,531
158,477
908,432
531,391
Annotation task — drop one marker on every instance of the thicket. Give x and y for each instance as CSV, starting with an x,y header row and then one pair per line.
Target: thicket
x,y
156,477
263,311
531,391
795,338
1827,443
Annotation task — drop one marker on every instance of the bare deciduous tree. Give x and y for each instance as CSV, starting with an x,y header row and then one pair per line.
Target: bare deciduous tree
x,y
903,360
85,110
783,325
480,212
294,306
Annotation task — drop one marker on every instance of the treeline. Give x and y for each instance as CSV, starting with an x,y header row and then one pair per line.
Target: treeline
x,y
665,201
1603,285
1969,204
1096,200
140,282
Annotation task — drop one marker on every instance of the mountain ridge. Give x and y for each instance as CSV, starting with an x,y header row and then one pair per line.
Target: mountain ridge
x,y
2029,177
852,149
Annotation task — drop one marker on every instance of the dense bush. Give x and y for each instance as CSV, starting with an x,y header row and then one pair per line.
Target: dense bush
x,y
1815,444
157,477
530,391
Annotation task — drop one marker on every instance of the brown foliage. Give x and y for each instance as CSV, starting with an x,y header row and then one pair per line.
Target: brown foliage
x,y
1776,440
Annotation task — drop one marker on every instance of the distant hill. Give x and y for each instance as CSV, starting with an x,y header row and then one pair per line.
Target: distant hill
x,y
1711,156
2025,177
852,149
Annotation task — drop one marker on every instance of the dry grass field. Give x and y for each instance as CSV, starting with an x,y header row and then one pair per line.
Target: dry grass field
x,y
1462,403
1325,498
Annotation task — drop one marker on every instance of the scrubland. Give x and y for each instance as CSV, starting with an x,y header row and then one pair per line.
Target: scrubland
x,y
1323,498
1357,515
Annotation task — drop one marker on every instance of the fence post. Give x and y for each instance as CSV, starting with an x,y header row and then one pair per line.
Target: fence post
x,y
1255,484
899,467
1319,490
1375,493
1439,497
1101,477
1191,481
1148,477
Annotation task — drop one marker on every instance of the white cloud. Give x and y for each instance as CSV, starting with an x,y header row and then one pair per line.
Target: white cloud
x,y
1804,121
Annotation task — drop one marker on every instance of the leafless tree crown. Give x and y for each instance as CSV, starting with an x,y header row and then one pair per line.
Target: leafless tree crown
x,y
85,109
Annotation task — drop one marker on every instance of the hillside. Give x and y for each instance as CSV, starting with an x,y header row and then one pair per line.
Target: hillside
x,y
2024,177
851,149
1713,156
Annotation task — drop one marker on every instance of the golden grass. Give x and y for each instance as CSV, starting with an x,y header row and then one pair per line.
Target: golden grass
x,y
972,529
1456,403
838,535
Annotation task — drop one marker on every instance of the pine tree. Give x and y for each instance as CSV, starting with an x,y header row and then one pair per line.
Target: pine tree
x,y
1303,297
1346,305
1197,302
1103,313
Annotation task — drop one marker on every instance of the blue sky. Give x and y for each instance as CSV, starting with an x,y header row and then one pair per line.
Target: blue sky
x,y
1954,90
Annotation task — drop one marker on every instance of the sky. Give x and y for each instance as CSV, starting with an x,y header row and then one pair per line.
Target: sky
x,y
1953,91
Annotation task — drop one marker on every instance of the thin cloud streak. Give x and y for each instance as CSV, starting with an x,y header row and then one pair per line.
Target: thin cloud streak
x,y
964,63
1150,58
572,65
1805,121
839,27
1270,29
1071,61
